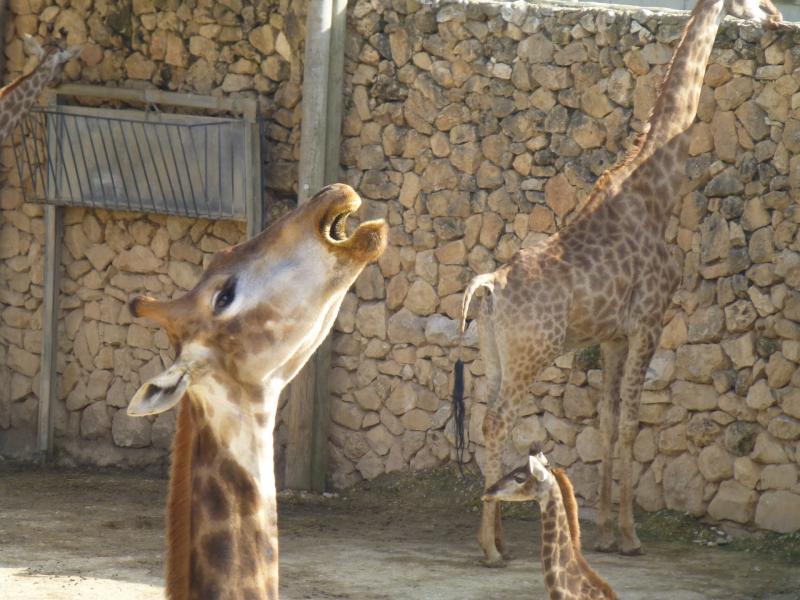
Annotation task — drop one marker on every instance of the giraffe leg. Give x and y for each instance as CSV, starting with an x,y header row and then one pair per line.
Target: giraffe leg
x,y
641,347
496,426
613,353
491,522
490,514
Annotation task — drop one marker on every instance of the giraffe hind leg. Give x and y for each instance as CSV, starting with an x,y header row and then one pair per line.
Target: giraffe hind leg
x,y
640,351
613,353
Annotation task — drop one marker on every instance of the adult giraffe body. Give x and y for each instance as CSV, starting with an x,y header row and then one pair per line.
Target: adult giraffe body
x,y
244,331
606,278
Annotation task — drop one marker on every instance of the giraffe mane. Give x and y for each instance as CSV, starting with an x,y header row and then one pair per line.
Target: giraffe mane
x,y
179,512
18,81
571,508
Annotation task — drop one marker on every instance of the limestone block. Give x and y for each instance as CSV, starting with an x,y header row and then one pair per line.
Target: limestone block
x,y
406,327
746,472
697,362
370,466
673,439
661,370
578,402
95,422
702,430
130,432
589,445
778,511
760,396
649,494
693,396
684,486
784,428
715,463
733,502
370,320
561,429
346,414
740,350
767,450
778,477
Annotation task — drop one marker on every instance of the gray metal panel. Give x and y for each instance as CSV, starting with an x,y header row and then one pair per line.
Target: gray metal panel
x,y
143,161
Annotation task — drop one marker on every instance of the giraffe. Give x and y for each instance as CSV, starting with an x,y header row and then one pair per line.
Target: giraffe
x,y
17,98
606,278
240,335
567,575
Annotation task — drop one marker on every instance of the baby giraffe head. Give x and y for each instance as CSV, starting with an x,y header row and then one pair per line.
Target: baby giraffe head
x,y
52,54
534,481
262,307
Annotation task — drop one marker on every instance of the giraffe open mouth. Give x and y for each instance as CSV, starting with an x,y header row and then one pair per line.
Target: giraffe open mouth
x,y
334,223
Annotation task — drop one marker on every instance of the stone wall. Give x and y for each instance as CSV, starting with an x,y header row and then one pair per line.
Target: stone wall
x,y
232,47
479,129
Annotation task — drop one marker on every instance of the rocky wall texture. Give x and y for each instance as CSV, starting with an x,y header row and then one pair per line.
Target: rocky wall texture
x,y
479,129
232,48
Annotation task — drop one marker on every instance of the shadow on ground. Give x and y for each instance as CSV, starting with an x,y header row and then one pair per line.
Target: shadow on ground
x,y
99,535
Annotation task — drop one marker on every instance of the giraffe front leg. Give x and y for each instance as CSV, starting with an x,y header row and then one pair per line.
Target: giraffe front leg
x,y
614,353
490,535
640,352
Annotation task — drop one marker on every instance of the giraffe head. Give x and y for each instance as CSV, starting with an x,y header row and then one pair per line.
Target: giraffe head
x,y
52,54
761,11
534,481
262,307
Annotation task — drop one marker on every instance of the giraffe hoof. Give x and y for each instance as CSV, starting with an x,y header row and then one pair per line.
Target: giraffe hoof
x,y
498,563
608,547
634,551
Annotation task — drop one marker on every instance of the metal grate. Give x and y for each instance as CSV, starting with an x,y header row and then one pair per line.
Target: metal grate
x,y
136,160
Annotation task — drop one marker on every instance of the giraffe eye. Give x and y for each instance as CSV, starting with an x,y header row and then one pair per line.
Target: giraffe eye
x,y
225,296
520,478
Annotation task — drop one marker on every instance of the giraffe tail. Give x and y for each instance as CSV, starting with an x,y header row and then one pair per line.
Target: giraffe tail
x,y
485,280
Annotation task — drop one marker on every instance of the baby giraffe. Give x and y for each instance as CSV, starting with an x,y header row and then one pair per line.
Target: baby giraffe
x,y
567,575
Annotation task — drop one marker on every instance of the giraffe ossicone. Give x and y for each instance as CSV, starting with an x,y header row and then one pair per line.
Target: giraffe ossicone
x,y
606,278
241,334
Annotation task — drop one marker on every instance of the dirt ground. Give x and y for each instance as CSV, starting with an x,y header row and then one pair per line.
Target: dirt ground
x,y
88,535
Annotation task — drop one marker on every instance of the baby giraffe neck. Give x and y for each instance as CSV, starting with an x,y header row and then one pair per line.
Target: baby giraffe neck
x,y
221,519
558,552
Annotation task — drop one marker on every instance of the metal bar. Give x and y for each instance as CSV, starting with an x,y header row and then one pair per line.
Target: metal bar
x,y
161,185
151,197
135,179
109,168
119,164
153,96
90,141
74,159
186,166
177,172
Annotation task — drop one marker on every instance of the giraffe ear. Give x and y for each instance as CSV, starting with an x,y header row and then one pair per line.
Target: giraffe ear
x,y
537,464
70,53
160,393
32,46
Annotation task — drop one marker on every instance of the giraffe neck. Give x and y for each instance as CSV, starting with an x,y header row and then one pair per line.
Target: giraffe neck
x,y
558,553
222,511
676,106
567,574
17,98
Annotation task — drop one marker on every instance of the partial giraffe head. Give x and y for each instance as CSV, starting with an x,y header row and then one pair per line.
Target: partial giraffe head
x,y
52,54
761,11
262,307
534,481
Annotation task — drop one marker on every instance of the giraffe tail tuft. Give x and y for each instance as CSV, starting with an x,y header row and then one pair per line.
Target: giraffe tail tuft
x,y
458,410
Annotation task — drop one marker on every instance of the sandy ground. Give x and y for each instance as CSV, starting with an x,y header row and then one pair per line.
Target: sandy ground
x,y
67,535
